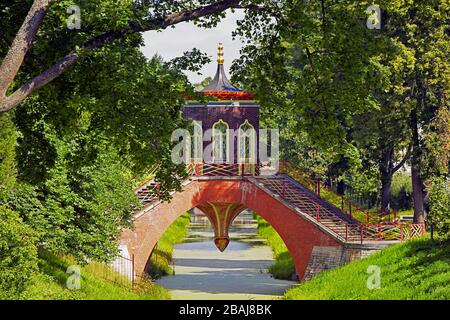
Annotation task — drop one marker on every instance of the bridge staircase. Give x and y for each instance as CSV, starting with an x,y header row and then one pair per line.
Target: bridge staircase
x,y
307,203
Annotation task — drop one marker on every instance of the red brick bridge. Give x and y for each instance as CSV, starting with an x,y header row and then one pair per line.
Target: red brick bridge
x,y
317,234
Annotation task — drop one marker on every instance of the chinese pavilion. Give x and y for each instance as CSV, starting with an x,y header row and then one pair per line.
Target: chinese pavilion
x,y
225,129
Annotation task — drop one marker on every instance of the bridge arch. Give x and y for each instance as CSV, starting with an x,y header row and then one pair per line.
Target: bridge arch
x,y
299,234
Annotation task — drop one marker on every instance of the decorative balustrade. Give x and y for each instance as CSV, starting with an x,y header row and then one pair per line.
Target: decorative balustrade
x,y
222,169
342,223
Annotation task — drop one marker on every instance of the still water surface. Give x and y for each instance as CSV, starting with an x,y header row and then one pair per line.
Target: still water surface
x,y
203,272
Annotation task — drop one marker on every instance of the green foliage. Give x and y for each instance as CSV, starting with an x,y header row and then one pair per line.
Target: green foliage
x,y
161,259
8,135
80,209
18,254
50,283
416,269
82,146
401,191
283,268
439,206
321,65
87,137
419,31
344,96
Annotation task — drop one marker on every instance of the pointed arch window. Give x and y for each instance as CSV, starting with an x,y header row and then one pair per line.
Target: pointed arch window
x,y
197,143
220,142
247,146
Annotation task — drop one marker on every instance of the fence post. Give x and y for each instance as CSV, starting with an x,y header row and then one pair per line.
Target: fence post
x,y
132,271
158,188
379,231
350,207
361,232
318,212
283,187
346,231
342,203
197,169
401,232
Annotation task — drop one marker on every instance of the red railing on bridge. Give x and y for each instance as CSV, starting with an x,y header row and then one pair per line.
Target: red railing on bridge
x,y
350,229
346,205
223,169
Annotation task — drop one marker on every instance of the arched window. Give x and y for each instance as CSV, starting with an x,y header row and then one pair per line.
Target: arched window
x,y
220,142
197,143
247,146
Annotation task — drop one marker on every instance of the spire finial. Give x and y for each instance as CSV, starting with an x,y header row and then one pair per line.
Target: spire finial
x,y
220,54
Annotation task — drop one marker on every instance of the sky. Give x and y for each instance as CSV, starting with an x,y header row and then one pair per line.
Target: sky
x,y
171,43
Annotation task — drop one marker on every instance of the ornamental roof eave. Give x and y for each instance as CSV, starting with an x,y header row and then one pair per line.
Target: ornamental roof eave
x,y
221,88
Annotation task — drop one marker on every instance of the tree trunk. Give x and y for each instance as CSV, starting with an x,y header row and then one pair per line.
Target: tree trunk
x,y
26,35
386,181
341,187
385,168
418,196
417,182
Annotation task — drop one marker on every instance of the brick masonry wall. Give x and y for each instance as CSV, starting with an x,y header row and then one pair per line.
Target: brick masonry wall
x,y
325,258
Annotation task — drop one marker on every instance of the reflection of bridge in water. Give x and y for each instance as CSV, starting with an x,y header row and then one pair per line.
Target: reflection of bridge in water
x,y
200,219
202,272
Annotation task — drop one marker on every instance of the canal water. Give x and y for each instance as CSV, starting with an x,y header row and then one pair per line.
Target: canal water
x,y
240,272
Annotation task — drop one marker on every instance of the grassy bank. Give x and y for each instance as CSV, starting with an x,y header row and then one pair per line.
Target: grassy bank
x,y
50,284
162,257
51,281
411,270
284,266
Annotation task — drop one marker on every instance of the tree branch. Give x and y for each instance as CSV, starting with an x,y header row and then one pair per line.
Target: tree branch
x,y
21,43
402,162
7,103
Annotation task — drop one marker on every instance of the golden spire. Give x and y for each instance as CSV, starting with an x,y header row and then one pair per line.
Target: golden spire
x,y
220,54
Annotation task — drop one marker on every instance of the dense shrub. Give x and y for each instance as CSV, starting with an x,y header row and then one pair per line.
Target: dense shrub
x,y
79,211
439,206
401,189
8,136
18,254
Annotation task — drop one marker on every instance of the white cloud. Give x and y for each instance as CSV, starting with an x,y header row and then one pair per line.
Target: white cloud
x,y
172,42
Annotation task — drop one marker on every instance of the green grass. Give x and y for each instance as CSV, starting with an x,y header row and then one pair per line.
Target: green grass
x,y
50,283
416,269
162,258
284,266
